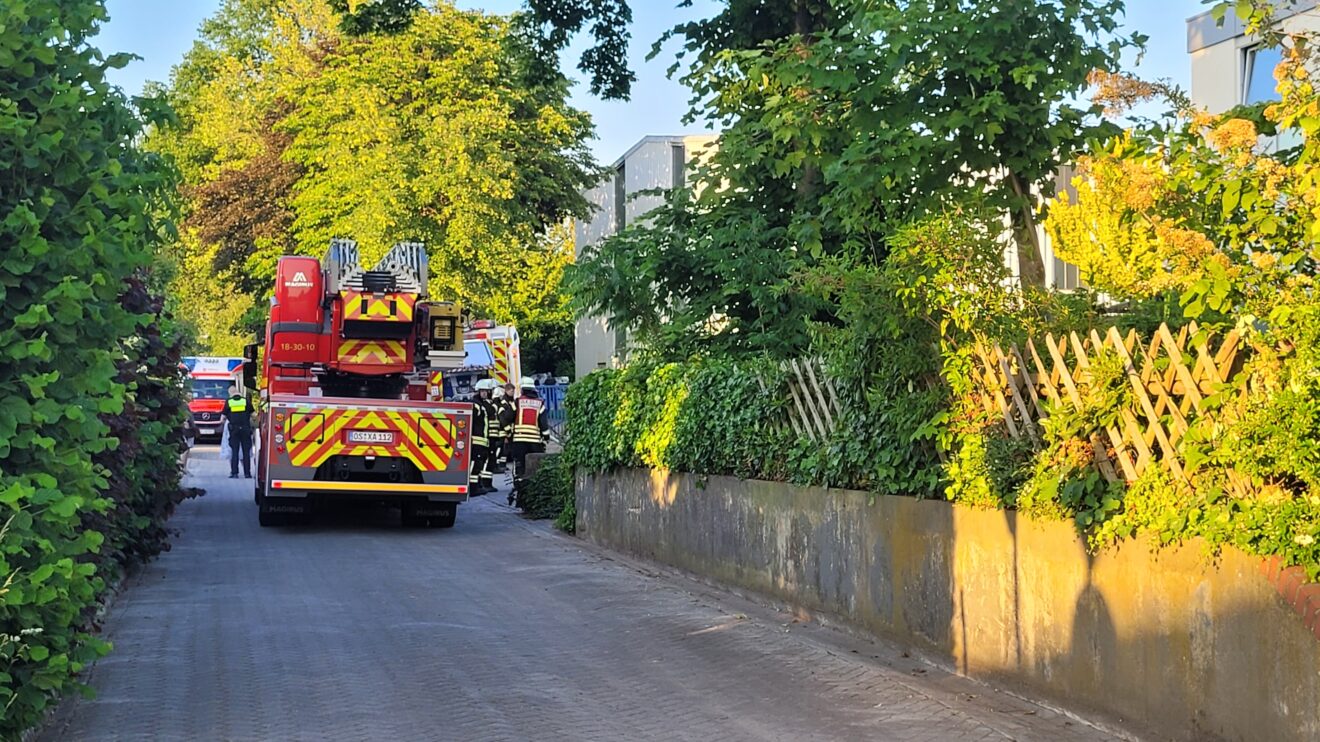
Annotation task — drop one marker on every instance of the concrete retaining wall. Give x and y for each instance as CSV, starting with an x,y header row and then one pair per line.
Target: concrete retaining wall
x,y
1166,641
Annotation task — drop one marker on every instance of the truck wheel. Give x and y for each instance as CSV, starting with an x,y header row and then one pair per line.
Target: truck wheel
x,y
446,520
409,517
268,519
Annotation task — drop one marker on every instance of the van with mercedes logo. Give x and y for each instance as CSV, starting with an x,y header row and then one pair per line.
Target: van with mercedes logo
x,y
209,379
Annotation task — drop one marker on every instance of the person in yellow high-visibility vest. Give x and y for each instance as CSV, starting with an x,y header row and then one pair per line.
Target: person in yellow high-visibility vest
x,y
238,416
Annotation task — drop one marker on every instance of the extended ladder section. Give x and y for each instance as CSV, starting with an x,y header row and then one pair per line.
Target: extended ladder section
x,y
401,271
341,261
406,261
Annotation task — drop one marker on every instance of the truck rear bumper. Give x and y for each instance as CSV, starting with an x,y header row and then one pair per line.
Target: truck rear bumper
x,y
432,492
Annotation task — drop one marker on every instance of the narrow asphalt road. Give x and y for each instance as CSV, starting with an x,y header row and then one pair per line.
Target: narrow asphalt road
x,y
498,629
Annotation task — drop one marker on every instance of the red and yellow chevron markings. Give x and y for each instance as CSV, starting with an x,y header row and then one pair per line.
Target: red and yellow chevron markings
x,y
424,439
363,306
500,351
385,352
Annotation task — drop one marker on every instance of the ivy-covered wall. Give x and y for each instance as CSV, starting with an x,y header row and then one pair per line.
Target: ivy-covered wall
x,y
902,434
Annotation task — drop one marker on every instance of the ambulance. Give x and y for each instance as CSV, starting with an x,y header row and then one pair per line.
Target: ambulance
x,y
492,351
210,379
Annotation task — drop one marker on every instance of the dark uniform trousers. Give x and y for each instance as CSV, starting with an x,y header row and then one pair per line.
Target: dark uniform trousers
x,y
239,420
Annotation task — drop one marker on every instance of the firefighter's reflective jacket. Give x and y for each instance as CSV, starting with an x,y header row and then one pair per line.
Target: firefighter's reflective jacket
x,y
529,423
507,409
480,423
491,413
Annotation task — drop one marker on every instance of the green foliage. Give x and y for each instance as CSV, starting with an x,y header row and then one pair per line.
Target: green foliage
x,y
142,468
360,17
854,212
706,416
840,122
905,331
937,105
548,493
79,205
900,343
553,23
547,346
566,521
698,274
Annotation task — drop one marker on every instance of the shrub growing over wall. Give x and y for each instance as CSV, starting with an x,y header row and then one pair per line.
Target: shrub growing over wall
x,y
548,493
706,416
914,421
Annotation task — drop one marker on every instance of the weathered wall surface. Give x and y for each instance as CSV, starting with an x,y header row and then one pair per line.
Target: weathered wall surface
x,y
1166,641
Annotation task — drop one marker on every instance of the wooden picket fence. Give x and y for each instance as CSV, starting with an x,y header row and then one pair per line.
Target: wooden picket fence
x,y
1171,375
813,403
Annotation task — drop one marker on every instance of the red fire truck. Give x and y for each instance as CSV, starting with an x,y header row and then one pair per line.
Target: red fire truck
x,y
345,412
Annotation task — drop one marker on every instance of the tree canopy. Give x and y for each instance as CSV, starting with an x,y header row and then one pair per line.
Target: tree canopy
x,y
295,126
842,121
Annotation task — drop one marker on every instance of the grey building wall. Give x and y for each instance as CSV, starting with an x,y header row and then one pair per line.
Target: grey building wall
x,y
655,162
1222,55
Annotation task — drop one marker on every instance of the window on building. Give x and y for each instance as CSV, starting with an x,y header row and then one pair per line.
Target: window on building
x,y
679,165
620,197
1258,82
621,345
1067,277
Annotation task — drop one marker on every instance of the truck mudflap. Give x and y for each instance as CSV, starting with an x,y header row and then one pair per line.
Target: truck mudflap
x,y
412,451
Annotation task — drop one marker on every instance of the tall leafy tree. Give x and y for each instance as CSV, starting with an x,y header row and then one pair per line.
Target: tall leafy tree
x,y
358,17
552,24
433,124
434,134
943,102
235,181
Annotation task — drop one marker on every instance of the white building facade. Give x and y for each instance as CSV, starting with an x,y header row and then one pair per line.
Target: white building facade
x,y
1230,68
656,162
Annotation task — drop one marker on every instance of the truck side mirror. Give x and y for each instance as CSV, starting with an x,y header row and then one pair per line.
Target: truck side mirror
x,y
250,366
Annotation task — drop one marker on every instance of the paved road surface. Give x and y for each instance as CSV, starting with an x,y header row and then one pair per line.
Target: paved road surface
x,y
498,629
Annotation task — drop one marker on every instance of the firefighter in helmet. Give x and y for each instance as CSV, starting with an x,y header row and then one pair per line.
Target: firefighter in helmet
x,y
480,437
530,430
507,403
485,391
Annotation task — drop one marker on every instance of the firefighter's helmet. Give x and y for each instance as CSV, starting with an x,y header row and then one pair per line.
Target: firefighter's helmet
x,y
528,383
485,384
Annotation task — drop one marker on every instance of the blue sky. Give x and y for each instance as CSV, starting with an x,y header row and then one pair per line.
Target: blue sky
x,y
160,31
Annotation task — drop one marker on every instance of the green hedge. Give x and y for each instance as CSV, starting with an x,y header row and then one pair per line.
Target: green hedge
x,y
548,493
87,402
714,417
706,416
